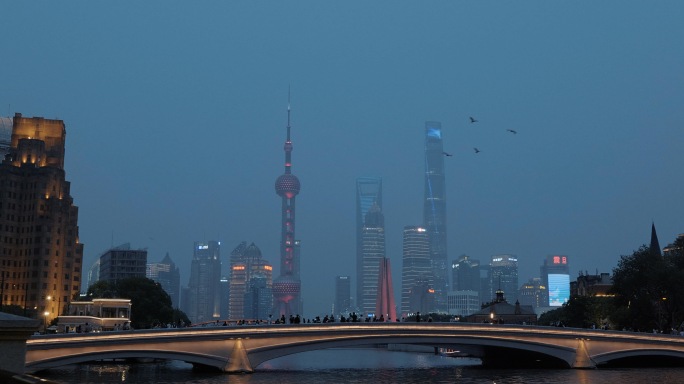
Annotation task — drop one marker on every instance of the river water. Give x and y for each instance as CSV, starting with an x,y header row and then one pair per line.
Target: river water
x,y
351,366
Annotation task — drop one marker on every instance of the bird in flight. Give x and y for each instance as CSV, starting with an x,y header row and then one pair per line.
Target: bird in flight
x,y
512,131
477,150
447,154
472,120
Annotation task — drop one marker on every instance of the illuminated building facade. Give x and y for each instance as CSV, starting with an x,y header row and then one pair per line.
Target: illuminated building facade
x,y
555,275
246,263
434,211
122,262
368,194
372,254
204,289
342,295
287,287
40,253
416,272
166,273
503,271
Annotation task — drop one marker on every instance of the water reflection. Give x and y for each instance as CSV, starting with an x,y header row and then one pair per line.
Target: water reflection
x,y
347,366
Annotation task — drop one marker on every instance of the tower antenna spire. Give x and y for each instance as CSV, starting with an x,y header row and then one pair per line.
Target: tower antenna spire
x,y
288,113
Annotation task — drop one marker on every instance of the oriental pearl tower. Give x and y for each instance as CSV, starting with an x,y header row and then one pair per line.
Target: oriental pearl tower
x,y
287,287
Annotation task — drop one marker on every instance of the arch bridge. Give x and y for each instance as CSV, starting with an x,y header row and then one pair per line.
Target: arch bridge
x,y
243,348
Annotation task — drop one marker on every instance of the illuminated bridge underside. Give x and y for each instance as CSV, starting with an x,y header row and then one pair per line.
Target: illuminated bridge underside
x,y
242,349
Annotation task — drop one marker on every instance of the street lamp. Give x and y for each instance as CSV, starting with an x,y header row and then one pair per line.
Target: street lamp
x,y
46,313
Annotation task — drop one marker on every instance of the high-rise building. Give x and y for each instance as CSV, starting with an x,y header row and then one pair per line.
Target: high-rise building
x,y
385,307
167,274
372,254
555,276
463,302
534,293
434,211
246,263
94,273
259,298
368,194
416,272
5,136
342,304
204,301
486,290
225,296
122,262
287,287
40,253
504,276
465,274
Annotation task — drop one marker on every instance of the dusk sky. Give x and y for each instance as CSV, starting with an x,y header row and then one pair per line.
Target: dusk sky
x,y
176,114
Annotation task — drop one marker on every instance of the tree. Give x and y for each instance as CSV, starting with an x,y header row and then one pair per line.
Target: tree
x,y
150,304
646,284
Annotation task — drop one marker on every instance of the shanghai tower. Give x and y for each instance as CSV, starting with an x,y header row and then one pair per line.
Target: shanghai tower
x,y
434,211
287,287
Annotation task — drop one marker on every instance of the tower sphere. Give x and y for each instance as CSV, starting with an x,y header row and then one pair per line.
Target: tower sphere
x,y
286,285
287,185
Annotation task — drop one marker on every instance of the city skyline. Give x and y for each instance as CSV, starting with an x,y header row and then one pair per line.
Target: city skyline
x,y
175,134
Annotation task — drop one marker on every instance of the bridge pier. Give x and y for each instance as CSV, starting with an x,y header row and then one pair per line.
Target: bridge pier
x,y
14,331
238,362
582,359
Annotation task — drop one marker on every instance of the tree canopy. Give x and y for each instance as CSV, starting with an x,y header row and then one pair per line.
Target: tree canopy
x,y
150,304
647,288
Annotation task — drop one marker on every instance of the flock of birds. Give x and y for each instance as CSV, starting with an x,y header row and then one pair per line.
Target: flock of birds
x,y
474,120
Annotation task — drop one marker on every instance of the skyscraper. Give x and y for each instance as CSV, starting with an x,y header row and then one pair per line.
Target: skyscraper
x,y
504,276
434,211
555,277
246,263
372,254
287,287
41,257
167,274
259,298
416,272
534,293
465,274
342,295
204,301
368,193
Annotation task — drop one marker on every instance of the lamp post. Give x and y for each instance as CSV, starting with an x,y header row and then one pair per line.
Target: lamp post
x,y
46,313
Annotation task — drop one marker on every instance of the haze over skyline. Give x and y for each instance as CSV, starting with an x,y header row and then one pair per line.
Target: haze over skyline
x,y
176,116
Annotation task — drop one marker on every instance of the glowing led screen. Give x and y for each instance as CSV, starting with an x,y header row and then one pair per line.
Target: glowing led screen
x,y
559,289
434,132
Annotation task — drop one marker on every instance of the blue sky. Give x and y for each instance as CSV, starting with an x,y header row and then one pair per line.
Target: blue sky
x,y
176,119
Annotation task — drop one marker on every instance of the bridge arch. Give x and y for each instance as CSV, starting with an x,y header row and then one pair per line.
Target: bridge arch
x,y
643,355
486,348
192,358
